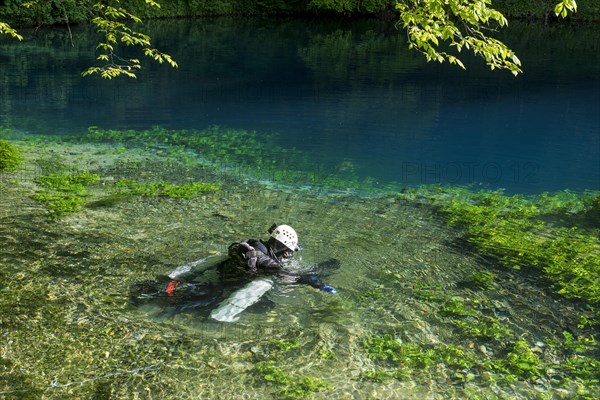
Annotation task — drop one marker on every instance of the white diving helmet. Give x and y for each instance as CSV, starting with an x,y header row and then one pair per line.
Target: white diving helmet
x,y
286,235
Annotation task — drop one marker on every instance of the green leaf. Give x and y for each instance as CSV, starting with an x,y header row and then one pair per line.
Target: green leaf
x,y
108,22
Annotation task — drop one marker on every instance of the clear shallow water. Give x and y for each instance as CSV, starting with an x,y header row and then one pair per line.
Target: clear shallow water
x,y
68,325
347,94
66,314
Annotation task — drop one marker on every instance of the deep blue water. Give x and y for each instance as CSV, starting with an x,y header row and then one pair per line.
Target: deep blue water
x,y
346,93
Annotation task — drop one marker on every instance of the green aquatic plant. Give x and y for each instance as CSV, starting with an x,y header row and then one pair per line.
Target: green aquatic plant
x,y
371,294
64,193
377,375
284,344
593,211
465,363
394,352
401,360
583,369
326,354
577,344
254,154
581,364
223,146
590,319
59,204
10,156
520,233
481,279
522,361
289,386
458,307
565,201
472,322
68,182
484,327
150,189
428,292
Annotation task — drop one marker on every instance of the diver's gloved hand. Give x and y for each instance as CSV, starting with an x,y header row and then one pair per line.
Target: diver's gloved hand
x,y
328,289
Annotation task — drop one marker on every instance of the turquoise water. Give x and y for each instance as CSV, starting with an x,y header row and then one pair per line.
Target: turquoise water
x,y
421,311
347,94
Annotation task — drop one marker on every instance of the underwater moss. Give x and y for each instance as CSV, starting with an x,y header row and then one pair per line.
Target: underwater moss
x,y
593,212
458,307
421,361
10,156
59,204
463,363
284,345
524,233
254,154
68,182
150,189
289,386
481,279
522,361
427,292
485,327
64,193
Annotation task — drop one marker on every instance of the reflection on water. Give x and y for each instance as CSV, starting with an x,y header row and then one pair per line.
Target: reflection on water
x,y
344,93
411,318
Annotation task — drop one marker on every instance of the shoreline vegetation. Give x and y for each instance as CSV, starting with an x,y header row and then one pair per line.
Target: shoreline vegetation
x,y
438,32
37,14
483,295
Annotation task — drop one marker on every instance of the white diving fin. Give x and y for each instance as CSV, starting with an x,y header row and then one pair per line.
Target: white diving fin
x,y
238,301
196,267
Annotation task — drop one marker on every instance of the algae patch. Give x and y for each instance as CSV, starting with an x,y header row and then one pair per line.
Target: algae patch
x,y
149,189
528,233
64,193
10,156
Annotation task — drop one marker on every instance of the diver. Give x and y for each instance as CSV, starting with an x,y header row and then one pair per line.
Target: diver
x,y
248,267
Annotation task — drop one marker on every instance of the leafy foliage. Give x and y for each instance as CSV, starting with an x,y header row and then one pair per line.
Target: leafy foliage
x,y
433,27
111,18
430,22
39,12
110,23
564,7
350,6
5,29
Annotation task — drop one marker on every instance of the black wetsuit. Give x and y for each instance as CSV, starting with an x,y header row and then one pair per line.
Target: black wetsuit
x,y
245,260
258,257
